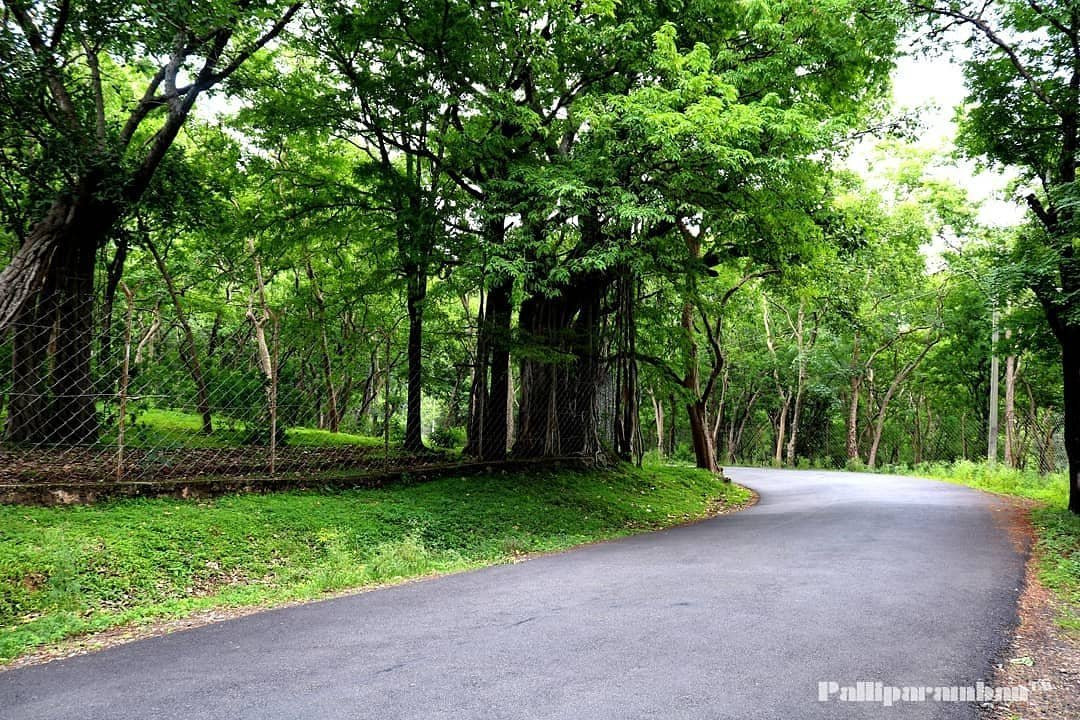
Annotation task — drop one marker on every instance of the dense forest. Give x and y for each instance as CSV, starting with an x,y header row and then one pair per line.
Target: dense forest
x,y
530,229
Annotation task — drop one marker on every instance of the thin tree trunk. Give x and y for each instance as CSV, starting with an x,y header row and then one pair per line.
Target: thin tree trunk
x,y
113,273
673,435
800,385
417,293
853,419
658,417
781,429
879,425
1012,369
781,391
202,394
721,408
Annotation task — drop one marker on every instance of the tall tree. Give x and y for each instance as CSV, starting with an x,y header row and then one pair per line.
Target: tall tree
x,y
1024,111
94,149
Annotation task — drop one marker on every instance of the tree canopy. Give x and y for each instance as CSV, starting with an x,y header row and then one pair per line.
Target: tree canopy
x,y
531,229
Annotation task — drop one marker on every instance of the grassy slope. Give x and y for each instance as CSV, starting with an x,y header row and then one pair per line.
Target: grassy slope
x,y
1057,529
71,570
159,428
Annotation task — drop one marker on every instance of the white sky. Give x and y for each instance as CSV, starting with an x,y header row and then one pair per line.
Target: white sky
x,y
934,86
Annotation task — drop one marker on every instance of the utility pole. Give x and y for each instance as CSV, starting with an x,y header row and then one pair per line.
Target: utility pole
x,y
992,429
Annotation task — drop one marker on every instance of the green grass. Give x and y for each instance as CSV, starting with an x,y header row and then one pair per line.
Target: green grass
x,y
160,428
157,428
325,438
65,571
1057,531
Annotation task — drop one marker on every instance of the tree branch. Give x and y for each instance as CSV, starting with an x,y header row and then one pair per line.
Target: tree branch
x,y
988,32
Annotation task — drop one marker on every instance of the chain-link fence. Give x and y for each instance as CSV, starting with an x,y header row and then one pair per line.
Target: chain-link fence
x,y
168,394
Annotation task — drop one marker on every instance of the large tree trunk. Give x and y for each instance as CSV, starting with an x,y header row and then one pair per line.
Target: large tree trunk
x,y
498,313
704,450
488,402
29,270
53,270
27,416
700,432
627,433
562,371
1070,365
72,412
417,293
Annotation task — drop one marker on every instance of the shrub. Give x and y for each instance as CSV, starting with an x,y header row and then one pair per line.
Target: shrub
x,y
447,438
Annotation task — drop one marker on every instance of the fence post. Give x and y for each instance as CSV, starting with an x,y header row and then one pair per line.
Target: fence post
x,y
125,368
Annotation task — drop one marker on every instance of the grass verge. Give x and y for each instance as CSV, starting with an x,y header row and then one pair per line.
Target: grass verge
x,y
67,571
1057,541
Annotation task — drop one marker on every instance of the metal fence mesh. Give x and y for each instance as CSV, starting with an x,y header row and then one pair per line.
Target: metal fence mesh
x,y
147,391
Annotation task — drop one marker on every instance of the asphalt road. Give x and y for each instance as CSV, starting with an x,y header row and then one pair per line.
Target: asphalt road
x,y
831,577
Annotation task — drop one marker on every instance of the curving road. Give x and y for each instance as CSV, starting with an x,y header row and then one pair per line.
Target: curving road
x,y
831,577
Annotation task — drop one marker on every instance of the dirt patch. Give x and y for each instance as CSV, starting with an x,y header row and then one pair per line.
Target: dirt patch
x,y
34,581
719,507
1042,655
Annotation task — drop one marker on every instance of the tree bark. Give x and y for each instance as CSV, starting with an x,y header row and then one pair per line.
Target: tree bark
x,y
700,432
627,431
853,406
853,419
658,417
417,293
783,392
27,417
800,384
1012,369
73,411
65,226
497,321
1070,365
562,371
781,429
704,450
672,433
